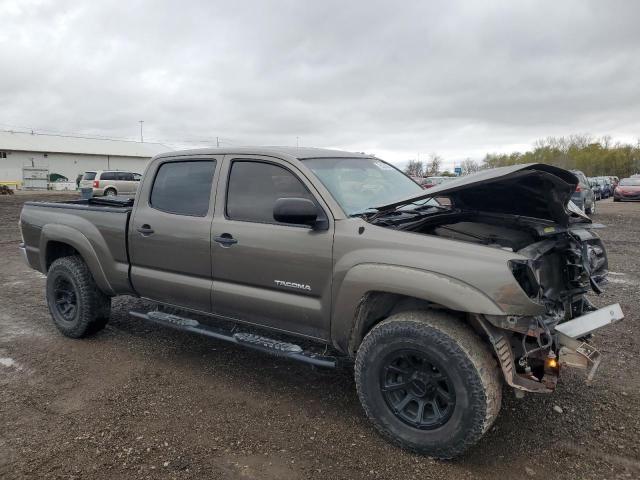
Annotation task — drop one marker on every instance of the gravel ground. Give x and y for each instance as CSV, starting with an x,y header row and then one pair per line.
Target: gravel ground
x,y
140,401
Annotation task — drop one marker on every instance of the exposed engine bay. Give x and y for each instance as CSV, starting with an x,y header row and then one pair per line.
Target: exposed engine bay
x,y
563,263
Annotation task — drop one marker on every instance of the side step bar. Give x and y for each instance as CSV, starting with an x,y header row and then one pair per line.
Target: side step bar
x,y
245,339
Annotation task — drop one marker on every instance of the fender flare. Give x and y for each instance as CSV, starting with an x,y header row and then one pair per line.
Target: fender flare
x,y
406,281
75,239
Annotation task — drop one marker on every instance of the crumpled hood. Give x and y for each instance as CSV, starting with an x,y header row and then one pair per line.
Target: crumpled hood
x,y
532,190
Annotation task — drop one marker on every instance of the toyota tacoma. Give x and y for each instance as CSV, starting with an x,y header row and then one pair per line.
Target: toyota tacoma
x,y
436,298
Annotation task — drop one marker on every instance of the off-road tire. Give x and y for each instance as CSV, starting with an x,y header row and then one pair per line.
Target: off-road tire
x,y
460,353
110,191
92,306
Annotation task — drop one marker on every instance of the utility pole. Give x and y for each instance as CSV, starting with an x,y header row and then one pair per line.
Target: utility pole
x,y
141,137
297,142
218,142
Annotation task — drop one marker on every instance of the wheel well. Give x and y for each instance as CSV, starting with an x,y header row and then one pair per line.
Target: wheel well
x,y
57,250
110,188
375,307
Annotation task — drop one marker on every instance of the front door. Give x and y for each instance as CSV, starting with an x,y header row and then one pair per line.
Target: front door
x,y
170,233
266,272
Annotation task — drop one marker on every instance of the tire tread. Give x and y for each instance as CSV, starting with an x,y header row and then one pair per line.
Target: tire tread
x,y
472,349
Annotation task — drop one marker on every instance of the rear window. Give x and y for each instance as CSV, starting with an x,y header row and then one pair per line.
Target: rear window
x,y
125,176
89,175
183,188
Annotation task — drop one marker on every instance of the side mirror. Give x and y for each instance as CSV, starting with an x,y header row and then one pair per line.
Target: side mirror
x,y
297,211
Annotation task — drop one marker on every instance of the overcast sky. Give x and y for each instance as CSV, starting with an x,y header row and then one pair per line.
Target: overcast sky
x,y
393,78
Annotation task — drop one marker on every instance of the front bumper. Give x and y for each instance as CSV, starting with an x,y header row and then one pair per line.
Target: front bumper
x,y
627,197
574,352
567,347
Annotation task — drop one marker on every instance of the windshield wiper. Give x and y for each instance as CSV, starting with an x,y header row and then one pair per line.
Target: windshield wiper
x,y
364,213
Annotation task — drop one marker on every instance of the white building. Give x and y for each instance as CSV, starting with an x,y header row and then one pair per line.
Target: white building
x,y
69,156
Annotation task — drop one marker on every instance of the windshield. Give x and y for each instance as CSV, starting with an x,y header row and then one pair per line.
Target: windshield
x,y
361,184
630,182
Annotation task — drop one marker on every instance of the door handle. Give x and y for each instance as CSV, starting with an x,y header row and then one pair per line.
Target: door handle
x,y
226,240
145,230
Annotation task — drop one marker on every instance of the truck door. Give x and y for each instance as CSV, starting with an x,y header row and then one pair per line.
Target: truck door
x,y
265,272
170,233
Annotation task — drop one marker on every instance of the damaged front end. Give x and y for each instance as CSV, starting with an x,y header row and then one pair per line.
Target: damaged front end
x,y
558,272
557,260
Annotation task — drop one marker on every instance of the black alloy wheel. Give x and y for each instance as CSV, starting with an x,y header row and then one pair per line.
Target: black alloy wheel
x,y
417,390
66,299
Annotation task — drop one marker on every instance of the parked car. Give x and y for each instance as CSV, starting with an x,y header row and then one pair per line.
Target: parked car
x,y
430,182
419,180
606,186
584,196
596,187
280,250
628,189
111,182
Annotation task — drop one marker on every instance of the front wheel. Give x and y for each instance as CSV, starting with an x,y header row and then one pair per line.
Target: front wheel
x,y
428,383
78,308
591,210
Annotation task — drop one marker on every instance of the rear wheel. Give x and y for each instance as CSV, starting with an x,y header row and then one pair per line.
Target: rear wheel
x,y
110,192
428,383
78,308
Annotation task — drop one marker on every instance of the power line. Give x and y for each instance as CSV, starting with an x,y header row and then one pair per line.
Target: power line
x,y
62,134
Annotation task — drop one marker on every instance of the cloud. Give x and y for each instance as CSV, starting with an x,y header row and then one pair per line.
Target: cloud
x,y
398,79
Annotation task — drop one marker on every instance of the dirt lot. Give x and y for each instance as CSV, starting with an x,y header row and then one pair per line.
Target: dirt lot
x,y
140,401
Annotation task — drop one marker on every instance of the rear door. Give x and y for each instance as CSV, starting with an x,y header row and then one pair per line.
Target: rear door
x,y
170,233
265,272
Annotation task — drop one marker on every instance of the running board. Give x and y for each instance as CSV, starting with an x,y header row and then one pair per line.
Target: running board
x,y
245,339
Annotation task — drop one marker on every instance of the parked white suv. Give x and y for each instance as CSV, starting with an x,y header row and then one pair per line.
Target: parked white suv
x,y
111,182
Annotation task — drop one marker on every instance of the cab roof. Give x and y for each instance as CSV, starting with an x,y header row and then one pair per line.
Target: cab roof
x,y
301,153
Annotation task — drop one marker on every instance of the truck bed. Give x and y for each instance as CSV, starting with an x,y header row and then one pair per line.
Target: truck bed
x,y
98,225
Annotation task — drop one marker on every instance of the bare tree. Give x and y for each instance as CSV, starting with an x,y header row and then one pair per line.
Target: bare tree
x,y
434,165
469,166
415,168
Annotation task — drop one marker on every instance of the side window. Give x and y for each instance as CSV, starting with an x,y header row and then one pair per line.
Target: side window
x,y
136,177
108,176
254,188
126,176
183,188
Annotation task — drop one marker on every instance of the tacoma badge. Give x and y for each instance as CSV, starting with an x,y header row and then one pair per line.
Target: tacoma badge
x,y
300,286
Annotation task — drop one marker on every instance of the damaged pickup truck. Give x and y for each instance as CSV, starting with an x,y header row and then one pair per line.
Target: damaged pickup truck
x,y
435,297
